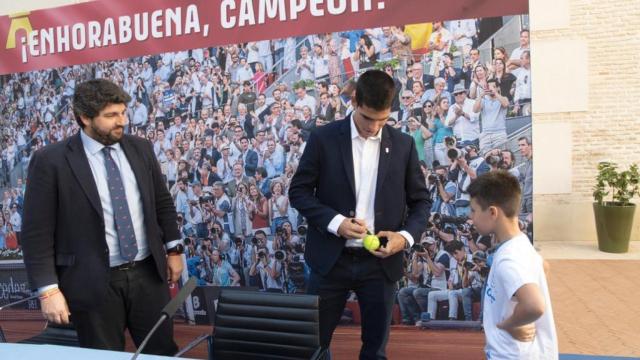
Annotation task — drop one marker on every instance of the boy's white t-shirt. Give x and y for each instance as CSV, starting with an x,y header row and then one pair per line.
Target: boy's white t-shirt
x,y
516,263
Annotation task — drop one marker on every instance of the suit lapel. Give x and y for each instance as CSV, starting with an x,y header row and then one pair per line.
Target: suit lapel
x,y
80,167
385,156
347,153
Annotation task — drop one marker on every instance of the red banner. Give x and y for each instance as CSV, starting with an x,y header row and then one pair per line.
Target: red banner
x,y
106,30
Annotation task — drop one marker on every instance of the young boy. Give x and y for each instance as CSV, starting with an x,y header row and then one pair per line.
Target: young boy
x,y
518,321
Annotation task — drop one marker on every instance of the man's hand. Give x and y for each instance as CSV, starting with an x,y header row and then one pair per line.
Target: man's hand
x,y
525,333
174,268
395,244
55,309
352,228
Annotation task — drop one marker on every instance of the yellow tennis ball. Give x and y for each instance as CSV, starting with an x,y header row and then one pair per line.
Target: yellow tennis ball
x,y
371,242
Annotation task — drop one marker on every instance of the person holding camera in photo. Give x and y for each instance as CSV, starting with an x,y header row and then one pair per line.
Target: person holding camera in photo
x,y
442,191
478,278
409,309
269,269
435,269
222,209
466,166
222,273
455,249
492,107
465,272
195,218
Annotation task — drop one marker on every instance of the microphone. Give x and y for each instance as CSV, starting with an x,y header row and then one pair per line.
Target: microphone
x,y
168,311
18,302
3,338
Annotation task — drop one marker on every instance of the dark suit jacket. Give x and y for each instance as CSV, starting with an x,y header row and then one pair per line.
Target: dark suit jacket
x,y
251,163
324,186
211,178
330,114
427,82
63,233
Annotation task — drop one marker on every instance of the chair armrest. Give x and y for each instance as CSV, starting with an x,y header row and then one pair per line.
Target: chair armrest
x,y
319,354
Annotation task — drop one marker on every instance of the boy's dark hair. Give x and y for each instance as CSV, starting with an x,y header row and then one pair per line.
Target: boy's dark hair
x,y
497,188
453,246
375,89
93,96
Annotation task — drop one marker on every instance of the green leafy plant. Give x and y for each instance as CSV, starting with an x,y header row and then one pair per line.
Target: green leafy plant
x,y
622,185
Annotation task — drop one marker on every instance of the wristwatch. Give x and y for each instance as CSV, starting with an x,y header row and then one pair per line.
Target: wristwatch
x,y
176,250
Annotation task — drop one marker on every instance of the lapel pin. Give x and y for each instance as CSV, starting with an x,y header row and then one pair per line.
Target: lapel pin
x,y
386,150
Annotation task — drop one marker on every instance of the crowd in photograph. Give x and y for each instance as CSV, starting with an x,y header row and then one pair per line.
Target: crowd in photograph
x,y
229,124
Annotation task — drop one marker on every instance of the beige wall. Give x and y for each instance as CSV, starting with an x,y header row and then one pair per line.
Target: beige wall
x,y
586,79
586,86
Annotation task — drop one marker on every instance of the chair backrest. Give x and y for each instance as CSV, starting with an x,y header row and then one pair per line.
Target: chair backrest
x,y
259,325
55,334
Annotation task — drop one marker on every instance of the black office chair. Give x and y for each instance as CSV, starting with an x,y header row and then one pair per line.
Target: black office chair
x,y
259,325
55,334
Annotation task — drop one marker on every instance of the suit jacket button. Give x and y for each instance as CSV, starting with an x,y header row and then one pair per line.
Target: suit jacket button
x,y
352,213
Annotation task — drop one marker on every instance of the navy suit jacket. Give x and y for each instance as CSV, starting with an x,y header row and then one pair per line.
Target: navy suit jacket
x,y
251,163
324,186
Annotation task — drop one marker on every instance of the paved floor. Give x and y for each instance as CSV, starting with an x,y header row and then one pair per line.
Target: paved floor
x,y
596,306
583,250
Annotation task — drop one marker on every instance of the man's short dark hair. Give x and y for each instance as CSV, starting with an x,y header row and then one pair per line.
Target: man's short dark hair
x,y
453,246
262,171
375,89
93,96
525,30
244,138
526,139
493,80
497,188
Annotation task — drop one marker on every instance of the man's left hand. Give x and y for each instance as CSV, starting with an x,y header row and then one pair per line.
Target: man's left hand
x,y
174,268
395,244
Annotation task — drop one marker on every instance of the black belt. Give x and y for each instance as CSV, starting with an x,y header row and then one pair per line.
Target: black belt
x,y
356,251
131,264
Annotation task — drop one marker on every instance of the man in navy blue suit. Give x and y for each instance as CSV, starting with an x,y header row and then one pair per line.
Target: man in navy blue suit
x,y
357,176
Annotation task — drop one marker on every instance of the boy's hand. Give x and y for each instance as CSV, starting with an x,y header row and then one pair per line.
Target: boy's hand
x,y
525,333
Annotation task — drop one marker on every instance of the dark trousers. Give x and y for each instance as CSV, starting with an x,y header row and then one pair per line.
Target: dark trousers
x,y
133,301
361,272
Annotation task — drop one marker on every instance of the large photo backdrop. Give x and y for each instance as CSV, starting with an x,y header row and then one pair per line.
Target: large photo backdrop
x,y
229,120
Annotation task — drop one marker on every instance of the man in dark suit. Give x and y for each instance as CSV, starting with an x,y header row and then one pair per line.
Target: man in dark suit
x,y
358,176
205,176
417,74
101,239
249,157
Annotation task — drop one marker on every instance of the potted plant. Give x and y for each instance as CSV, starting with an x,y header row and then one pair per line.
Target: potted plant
x,y
614,219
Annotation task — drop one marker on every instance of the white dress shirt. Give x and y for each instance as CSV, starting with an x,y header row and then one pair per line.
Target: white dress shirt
x,y
366,155
466,129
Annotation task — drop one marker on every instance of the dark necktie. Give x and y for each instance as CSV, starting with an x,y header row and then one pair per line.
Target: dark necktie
x,y
121,215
